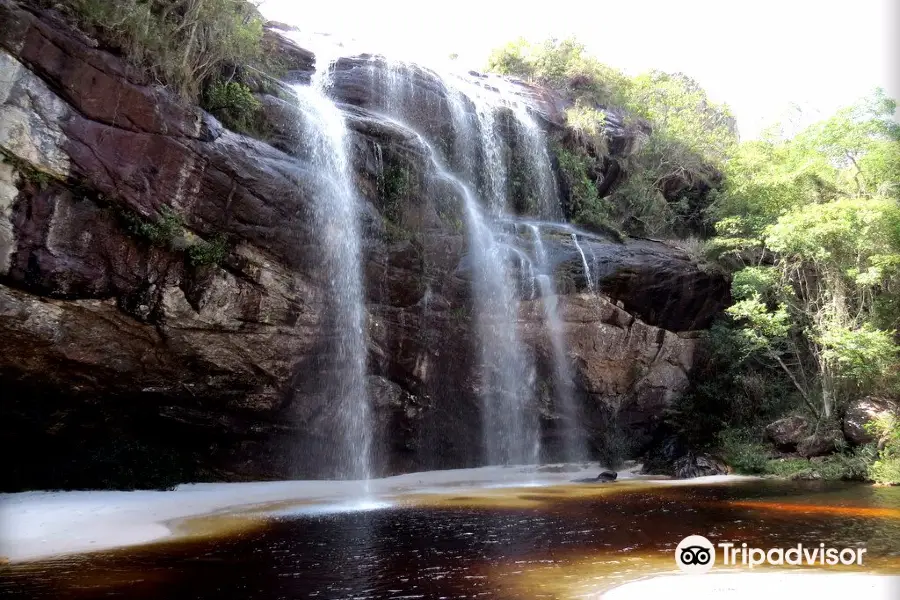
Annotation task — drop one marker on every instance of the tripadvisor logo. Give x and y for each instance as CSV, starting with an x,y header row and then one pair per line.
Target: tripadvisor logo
x,y
696,554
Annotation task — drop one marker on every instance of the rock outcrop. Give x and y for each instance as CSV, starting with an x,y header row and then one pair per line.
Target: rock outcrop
x,y
698,465
787,433
862,412
161,295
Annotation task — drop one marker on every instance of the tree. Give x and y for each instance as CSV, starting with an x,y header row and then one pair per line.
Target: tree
x,y
853,153
824,207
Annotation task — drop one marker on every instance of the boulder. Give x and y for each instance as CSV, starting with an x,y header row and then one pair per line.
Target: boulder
x,y
788,432
698,465
298,63
862,412
820,444
604,477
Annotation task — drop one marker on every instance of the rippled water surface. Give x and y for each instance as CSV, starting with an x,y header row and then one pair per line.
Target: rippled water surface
x,y
547,542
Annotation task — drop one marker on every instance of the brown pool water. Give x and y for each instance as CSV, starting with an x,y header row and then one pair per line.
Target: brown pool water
x,y
565,541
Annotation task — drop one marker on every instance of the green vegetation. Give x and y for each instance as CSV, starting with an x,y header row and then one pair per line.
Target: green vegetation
x,y
747,454
200,49
395,186
584,205
162,232
234,105
561,64
684,139
184,44
214,252
461,314
886,467
26,170
810,227
823,307
169,232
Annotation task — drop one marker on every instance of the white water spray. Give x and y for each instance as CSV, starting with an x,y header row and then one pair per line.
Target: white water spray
x,y
574,443
335,213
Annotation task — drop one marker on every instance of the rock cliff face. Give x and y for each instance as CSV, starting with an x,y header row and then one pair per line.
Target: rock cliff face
x,y
161,294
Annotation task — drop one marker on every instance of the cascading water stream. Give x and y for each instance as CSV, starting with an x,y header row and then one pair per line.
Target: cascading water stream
x,y
481,160
537,156
511,427
335,213
584,262
574,442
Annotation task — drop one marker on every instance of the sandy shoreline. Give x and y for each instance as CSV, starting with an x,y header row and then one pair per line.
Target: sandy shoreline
x,y
753,586
36,525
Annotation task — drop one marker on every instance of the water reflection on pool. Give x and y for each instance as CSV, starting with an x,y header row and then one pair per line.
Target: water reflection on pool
x,y
551,542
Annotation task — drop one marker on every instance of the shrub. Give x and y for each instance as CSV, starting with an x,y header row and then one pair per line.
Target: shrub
x,y
182,43
742,451
587,123
733,386
582,203
169,232
161,232
395,187
26,170
885,469
233,104
563,64
203,253
746,454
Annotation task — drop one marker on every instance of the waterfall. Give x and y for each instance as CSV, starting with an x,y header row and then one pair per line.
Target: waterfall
x,y
509,415
511,427
495,171
335,214
491,128
535,147
584,262
574,440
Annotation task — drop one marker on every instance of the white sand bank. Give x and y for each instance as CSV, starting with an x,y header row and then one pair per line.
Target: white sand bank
x,y
753,586
35,525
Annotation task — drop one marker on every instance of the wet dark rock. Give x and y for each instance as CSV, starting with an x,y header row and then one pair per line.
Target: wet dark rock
x,y
656,283
296,64
698,465
664,449
787,433
364,81
568,468
604,477
670,455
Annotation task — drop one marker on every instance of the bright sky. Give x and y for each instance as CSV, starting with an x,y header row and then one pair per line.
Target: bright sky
x,y
760,56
